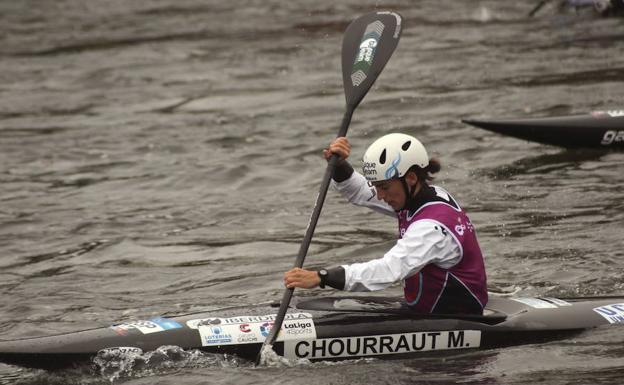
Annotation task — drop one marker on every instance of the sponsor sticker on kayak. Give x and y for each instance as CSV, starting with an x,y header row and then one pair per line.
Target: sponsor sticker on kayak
x,y
557,301
153,325
536,303
120,351
611,113
252,329
613,313
612,136
376,345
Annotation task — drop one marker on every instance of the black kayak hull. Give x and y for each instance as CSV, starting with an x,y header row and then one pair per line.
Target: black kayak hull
x,y
331,328
602,129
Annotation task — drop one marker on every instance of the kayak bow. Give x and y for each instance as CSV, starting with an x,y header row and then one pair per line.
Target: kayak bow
x,y
599,129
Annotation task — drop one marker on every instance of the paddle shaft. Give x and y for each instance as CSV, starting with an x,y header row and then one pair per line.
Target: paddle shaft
x,y
538,7
307,239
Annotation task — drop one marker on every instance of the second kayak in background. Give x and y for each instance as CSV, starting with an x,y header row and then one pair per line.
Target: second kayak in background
x,y
598,129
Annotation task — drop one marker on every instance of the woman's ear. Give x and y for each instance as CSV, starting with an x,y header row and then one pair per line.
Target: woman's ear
x,y
411,178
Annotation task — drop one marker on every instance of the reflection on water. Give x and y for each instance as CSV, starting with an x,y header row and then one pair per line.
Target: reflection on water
x,y
544,163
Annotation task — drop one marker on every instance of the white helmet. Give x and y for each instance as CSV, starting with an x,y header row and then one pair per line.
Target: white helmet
x,y
392,155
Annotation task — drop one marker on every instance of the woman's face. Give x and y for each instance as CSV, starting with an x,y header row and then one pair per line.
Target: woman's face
x,y
392,192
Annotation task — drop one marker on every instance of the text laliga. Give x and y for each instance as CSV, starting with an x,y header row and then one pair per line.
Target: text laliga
x,y
375,345
297,325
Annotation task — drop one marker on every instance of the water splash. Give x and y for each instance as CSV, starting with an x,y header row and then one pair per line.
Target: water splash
x,y
268,358
115,364
482,14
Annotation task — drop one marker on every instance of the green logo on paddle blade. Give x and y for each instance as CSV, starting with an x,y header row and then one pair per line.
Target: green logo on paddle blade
x,y
364,58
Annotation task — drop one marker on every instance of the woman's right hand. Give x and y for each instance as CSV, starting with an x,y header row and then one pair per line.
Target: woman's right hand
x,y
297,277
339,146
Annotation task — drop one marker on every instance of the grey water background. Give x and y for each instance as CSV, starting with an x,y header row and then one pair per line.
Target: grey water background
x,y
164,157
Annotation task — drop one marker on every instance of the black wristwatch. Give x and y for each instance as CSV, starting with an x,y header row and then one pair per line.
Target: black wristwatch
x,y
323,276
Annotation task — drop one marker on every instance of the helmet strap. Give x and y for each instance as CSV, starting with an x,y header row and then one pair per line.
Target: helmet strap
x,y
408,191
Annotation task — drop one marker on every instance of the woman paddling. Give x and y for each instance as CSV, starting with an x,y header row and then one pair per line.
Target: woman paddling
x,y
437,256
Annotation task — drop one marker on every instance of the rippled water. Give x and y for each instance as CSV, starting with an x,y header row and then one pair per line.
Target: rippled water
x,y
164,156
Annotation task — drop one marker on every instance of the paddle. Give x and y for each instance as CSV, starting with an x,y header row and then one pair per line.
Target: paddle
x,y
368,43
538,7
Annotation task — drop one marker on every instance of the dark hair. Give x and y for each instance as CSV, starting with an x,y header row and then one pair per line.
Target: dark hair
x,y
426,174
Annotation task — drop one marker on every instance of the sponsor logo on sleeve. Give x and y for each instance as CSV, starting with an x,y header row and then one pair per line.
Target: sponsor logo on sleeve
x,y
363,346
613,313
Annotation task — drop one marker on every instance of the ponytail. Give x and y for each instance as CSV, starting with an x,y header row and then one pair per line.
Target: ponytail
x,y
426,174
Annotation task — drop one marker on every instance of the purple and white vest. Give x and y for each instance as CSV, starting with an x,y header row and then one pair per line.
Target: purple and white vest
x,y
463,287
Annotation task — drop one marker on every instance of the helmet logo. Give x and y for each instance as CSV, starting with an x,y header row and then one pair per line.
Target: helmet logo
x,y
392,171
370,170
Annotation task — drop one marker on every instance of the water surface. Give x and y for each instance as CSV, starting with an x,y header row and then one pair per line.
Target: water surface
x,y
164,157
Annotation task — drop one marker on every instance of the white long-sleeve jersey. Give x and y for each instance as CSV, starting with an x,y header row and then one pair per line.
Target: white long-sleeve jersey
x,y
424,242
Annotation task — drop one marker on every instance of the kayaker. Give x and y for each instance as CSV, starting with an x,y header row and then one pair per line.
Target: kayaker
x,y
437,256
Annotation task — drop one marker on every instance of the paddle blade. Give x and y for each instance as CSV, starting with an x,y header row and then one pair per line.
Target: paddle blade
x,y
368,43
